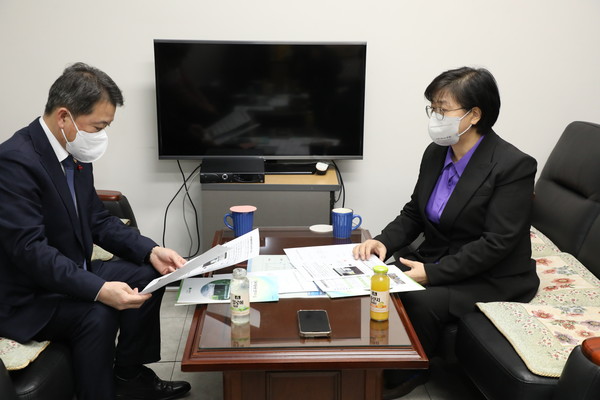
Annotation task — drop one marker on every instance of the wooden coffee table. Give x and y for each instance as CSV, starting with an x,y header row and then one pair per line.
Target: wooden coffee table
x,y
269,360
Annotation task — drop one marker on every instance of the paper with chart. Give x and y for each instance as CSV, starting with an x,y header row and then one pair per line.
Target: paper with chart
x,y
291,281
233,252
335,271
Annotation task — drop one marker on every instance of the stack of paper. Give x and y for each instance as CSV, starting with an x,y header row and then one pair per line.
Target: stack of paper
x,y
291,281
335,271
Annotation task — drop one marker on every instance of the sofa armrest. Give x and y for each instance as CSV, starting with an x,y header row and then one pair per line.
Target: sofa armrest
x,y
580,378
109,195
118,205
591,349
7,390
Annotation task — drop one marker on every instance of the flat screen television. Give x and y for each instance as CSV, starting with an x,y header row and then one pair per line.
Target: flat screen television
x,y
275,100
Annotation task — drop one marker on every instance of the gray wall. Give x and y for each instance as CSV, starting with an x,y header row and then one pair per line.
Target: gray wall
x,y
544,55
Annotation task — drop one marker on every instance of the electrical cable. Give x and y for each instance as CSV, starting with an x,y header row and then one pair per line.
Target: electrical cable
x,y
187,194
183,185
187,227
343,188
185,220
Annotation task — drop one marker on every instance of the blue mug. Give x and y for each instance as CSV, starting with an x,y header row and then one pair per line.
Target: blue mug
x,y
242,218
342,220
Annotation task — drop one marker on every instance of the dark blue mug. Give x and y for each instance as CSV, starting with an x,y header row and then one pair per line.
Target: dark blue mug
x,y
242,218
342,220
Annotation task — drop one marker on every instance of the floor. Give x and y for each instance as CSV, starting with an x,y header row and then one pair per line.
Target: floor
x,y
446,382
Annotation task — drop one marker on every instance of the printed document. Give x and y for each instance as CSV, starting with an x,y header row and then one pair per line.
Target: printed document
x,y
335,271
291,282
233,252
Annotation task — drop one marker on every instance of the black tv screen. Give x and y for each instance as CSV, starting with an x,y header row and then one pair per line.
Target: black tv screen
x,y
279,101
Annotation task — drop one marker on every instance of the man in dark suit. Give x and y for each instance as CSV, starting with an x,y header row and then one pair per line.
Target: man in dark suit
x,y
472,204
50,216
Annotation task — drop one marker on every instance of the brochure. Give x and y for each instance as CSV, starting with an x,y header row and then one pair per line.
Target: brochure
x,y
215,289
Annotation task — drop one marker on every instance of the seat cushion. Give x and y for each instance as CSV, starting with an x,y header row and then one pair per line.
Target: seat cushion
x,y
16,355
491,362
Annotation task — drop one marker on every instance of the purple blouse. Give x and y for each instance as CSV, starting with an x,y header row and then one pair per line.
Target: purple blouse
x,y
446,183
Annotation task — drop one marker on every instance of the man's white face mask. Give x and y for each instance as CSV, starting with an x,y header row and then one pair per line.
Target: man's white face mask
x,y
87,147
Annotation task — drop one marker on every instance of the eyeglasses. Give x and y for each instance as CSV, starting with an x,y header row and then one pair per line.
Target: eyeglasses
x,y
438,112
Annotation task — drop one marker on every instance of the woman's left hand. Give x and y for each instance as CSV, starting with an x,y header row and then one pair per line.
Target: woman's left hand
x,y
416,272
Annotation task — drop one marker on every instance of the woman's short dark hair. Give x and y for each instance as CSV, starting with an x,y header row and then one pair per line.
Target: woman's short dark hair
x,y
470,87
80,87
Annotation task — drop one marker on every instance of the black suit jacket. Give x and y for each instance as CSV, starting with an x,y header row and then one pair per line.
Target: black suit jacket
x,y
481,249
43,242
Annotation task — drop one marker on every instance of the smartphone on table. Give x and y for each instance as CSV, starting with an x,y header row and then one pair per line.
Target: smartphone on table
x,y
313,323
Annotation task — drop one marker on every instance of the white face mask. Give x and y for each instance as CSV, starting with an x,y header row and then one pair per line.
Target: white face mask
x,y
87,146
445,132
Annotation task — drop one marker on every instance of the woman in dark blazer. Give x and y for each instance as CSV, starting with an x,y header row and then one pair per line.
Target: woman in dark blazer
x,y
472,203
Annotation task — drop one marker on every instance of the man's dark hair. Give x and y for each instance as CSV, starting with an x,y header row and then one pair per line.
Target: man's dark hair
x,y
80,87
470,87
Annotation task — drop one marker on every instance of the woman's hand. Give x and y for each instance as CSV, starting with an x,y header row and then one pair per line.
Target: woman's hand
x,y
364,250
417,271
165,260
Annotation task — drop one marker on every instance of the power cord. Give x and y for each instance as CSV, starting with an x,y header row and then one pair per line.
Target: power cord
x,y
187,195
343,188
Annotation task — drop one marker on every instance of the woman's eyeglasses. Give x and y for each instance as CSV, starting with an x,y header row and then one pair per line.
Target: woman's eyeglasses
x,y
438,112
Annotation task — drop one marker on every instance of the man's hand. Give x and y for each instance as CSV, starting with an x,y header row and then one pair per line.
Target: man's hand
x,y
120,296
364,250
416,272
165,260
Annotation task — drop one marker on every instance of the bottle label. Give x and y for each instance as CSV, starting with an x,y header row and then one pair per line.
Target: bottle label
x,y
240,304
380,301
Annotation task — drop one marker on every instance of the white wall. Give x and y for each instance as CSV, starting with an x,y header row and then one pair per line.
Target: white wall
x,y
545,56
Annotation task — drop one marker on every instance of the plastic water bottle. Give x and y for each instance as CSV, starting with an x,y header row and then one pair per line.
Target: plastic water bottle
x,y
239,293
380,293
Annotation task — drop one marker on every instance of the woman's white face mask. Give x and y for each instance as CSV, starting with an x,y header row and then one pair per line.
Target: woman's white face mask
x,y
87,147
444,132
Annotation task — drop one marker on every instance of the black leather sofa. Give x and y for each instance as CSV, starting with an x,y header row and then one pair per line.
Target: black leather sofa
x,y
50,376
567,210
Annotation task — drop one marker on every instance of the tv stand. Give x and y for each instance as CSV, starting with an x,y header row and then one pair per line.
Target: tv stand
x,y
282,200
283,168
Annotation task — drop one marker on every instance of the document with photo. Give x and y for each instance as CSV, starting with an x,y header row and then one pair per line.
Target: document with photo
x,y
335,271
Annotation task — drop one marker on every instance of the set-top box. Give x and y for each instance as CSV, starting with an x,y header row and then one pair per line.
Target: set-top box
x,y
233,170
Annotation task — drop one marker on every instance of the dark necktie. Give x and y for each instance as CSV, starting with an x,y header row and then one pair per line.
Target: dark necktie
x,y
69,165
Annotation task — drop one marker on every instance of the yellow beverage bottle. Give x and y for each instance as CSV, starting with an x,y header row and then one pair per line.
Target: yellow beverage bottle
x,y
380,294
